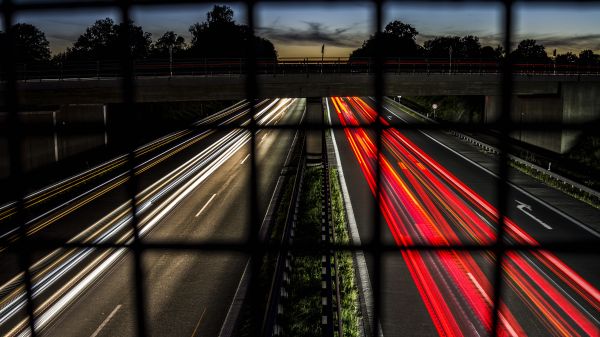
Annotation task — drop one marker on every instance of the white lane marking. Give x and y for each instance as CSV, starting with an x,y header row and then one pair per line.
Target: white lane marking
x,y
523,207
106,320
509,327
363,271
206,205
511,184
198,325
244,160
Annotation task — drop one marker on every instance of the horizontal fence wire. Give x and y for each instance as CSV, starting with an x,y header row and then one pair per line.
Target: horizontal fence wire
x,y
13,71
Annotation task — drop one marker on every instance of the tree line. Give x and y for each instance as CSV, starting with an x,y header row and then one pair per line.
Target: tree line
x,y
399,40
218,36
221,37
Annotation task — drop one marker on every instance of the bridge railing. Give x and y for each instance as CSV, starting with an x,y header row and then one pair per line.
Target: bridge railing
x,y
100,69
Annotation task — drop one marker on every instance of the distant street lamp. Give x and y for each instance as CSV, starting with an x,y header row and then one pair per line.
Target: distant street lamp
x,y
450,68
520,126
171,60
434,106
322,56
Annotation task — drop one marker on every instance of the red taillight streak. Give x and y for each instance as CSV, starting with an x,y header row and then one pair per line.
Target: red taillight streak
x,y
459,277
567,274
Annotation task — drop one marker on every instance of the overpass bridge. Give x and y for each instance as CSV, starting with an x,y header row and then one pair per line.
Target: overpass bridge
x,y
233,86
543,93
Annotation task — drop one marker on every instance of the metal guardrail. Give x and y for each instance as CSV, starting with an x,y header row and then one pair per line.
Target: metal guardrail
x,y
101,69
283,264
330,294
491,149
563,180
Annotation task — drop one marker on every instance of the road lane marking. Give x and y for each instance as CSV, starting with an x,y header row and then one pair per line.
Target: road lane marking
x,y
510,329
523,207
511,184
244,160
198,324
106,320
363,272
205,205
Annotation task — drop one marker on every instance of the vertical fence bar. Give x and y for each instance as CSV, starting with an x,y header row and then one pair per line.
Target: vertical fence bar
x,y
377,239
132,185
506,127
254,244
15,142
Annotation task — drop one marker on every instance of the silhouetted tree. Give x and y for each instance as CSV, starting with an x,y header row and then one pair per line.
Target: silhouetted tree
x,y
103,40
490,53
169,39
462,47
221,36
568,58
588,58
30,43
398,39
529,51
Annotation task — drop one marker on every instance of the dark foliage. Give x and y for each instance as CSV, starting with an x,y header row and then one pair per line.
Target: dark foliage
x,y
30,43
397,39
168,40
588,58
529,51
100,41
221,36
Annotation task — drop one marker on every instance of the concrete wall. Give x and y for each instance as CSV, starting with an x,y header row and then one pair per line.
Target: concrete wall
x,y
575,103
314,116
201,88
581,104
71,121
50,136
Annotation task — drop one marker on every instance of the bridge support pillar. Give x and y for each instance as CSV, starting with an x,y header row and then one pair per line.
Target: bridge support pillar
x,y
576,102
314,117
57,134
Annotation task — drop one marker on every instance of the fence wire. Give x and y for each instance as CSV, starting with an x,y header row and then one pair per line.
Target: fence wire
x,y
253,247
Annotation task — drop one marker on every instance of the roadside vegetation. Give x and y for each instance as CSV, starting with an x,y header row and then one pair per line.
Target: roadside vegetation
x,y
351,316
581,164
302,308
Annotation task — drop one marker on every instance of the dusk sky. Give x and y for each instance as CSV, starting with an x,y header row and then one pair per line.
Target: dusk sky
x,y
300,30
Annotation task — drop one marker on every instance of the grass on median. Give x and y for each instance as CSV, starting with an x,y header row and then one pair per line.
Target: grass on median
x,y
302,309
348,290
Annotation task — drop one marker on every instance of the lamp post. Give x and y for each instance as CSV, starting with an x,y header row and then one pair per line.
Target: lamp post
x,y
434,106
171,60
450,68
521,126
322,56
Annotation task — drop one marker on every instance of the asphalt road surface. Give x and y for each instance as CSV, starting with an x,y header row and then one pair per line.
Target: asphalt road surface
x,y
432,195
201,196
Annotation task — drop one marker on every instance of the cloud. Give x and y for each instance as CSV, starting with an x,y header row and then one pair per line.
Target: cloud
x,y
569,43
314,32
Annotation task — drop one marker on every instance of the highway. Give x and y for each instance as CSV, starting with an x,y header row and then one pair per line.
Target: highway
x,y
193,186
433,195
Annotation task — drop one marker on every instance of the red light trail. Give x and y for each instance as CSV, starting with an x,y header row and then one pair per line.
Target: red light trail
x,y
424,203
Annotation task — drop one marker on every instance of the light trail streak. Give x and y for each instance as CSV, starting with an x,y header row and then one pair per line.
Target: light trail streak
x,y
423,203
176,186
67,184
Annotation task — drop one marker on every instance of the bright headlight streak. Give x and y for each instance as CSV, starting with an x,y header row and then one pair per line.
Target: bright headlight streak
x,y
73,180
19,302
236,138
186,167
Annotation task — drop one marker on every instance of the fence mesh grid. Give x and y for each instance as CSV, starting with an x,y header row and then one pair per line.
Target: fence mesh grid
x,y
253,247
